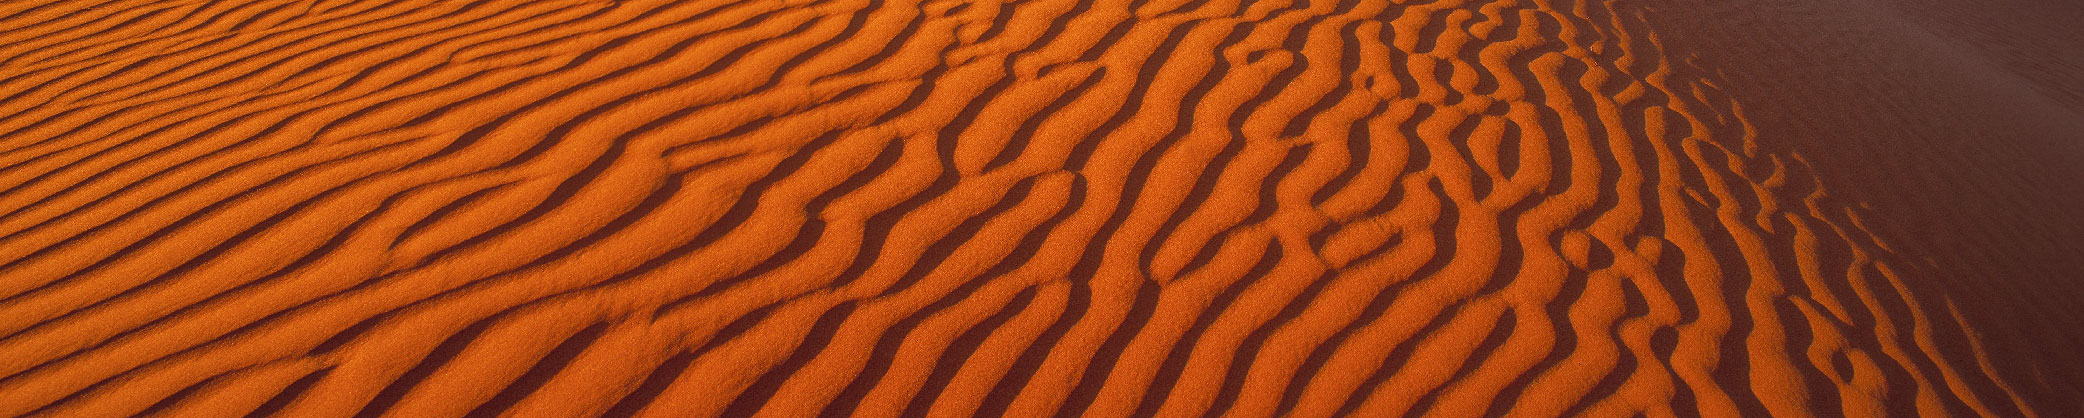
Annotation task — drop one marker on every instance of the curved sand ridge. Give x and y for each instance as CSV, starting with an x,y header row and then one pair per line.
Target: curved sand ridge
x,y
941,208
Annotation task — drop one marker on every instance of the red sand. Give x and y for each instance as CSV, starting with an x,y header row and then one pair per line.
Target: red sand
x,y
881,208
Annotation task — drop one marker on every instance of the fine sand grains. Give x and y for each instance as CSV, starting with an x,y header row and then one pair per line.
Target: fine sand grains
x,y
885,208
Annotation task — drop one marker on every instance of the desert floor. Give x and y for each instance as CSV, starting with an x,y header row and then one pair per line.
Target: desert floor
x,y
1041,208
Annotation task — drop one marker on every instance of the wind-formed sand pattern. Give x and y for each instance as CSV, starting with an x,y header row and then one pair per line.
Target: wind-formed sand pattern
x,y
943,208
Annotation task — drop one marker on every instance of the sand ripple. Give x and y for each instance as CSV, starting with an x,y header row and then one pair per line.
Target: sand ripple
x,y
796,208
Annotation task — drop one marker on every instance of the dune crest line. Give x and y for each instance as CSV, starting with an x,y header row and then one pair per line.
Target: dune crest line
x,y
898,208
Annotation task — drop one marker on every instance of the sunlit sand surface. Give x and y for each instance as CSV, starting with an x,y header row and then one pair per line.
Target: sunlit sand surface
x,y
1036,208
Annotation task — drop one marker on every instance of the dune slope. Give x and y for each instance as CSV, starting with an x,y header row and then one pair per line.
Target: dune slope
x,y
1961,124
796,208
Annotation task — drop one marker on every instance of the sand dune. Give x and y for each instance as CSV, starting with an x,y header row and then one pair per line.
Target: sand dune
x,y
879,208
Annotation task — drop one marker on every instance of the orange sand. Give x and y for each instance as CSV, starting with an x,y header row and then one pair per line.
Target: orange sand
x,y
1105,208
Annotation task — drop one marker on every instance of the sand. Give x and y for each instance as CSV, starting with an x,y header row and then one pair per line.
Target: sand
x,y
1104,208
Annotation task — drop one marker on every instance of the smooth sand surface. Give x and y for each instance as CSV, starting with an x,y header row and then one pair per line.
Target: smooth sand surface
x,y
1041,208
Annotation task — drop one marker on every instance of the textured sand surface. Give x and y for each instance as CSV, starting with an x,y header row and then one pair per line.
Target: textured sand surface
x,y
1034,208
